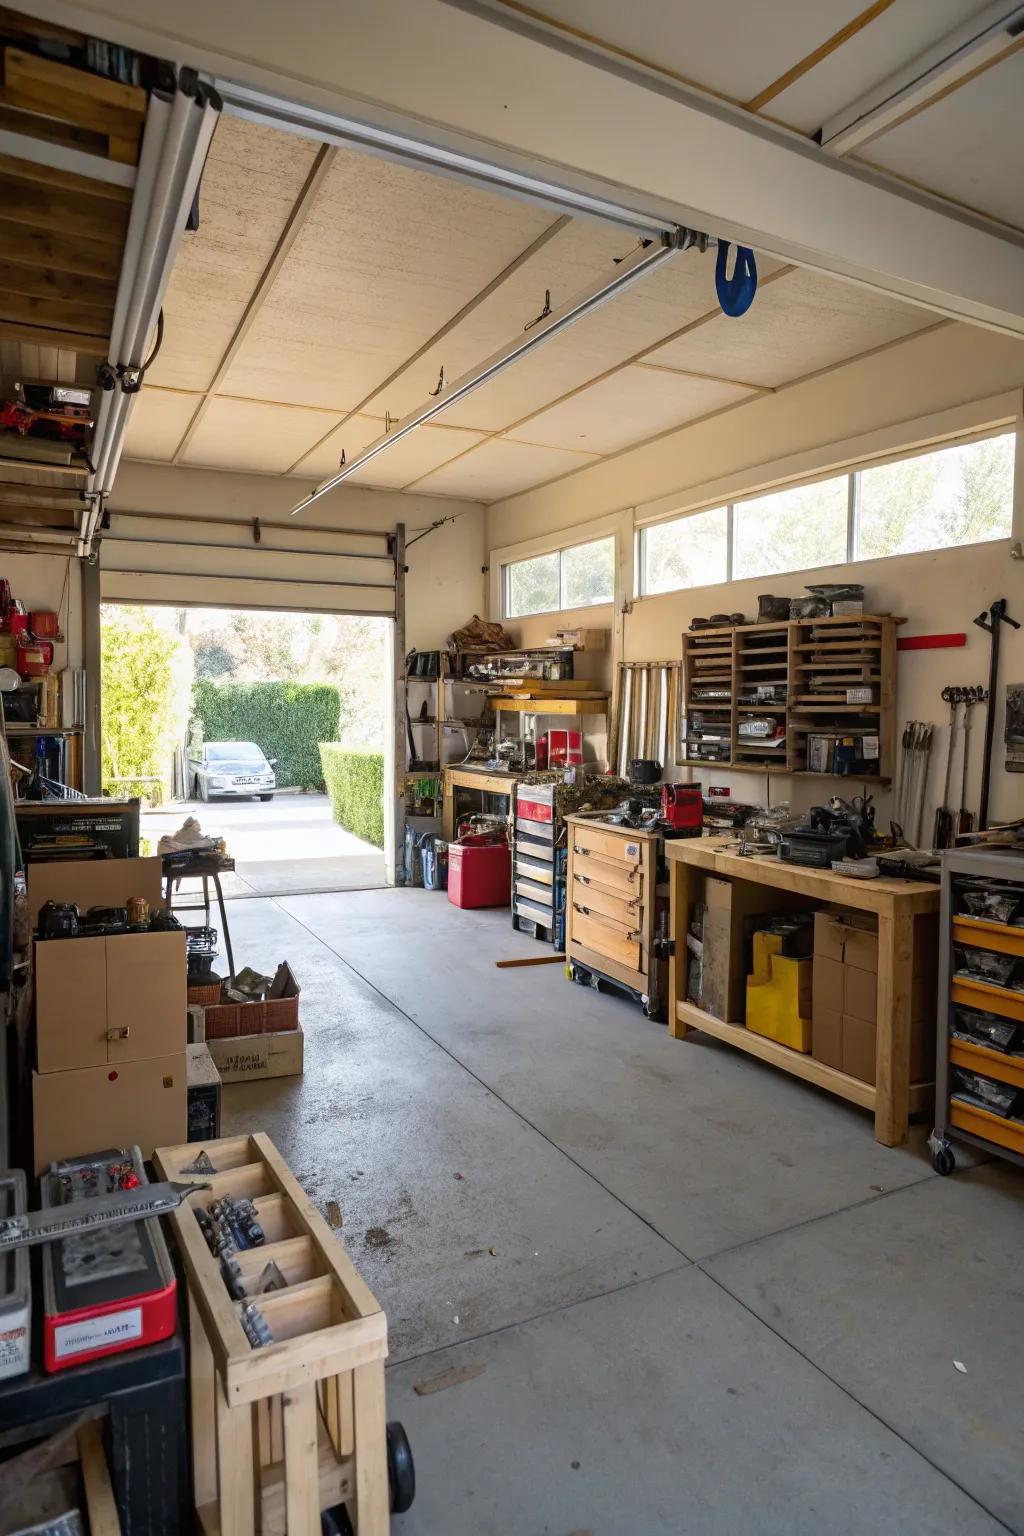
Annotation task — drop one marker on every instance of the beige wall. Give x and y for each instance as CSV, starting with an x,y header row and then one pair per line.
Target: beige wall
x,y
865,401
38,580
444,585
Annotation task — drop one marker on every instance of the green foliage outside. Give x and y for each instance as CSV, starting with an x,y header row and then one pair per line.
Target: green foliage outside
x,y
147,683
287,720
355,783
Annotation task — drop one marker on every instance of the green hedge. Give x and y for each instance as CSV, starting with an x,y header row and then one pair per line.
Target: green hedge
x,y
355,783
288,720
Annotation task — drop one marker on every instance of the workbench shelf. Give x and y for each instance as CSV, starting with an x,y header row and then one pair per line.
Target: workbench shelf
x,y
783,659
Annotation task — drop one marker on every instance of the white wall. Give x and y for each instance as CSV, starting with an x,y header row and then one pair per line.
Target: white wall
x,y
444,584
39,581
935,375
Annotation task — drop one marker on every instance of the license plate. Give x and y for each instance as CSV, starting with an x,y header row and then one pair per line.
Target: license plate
x,y
247,781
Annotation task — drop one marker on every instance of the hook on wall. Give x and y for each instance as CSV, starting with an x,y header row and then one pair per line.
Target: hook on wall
x,y
440,382
543,314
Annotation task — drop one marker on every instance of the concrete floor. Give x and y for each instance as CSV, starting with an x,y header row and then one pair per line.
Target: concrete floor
x,y
700,1297
289,844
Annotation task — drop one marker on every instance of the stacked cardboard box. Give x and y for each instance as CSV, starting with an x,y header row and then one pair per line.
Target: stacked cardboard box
x,y
845,994
110,1019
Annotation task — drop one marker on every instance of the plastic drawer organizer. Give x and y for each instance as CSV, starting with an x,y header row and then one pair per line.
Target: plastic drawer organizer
x,y
295,1424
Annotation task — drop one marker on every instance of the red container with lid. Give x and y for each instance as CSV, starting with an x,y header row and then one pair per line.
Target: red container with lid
x,y
35,657
479,873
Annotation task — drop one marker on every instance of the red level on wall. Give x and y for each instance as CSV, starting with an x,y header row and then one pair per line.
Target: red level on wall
x,y
930,642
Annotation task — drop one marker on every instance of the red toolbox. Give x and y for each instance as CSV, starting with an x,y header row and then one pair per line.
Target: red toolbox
x,y
479,873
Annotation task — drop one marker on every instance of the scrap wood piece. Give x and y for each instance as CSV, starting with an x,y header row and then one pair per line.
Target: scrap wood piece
x,y
453,1378
504,965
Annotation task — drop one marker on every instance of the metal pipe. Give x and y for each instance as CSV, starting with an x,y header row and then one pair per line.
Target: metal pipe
x,y
628,272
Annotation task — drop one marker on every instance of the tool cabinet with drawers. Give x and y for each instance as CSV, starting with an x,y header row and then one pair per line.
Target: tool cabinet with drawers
x,y
612,909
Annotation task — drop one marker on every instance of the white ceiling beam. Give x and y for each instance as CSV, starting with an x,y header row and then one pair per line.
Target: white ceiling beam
x,y
980,42
449,83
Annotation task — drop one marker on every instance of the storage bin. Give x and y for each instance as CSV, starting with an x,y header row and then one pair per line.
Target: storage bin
x,y
479,875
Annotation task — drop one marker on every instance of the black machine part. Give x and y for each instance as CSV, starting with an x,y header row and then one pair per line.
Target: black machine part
x,y
645,770
991,622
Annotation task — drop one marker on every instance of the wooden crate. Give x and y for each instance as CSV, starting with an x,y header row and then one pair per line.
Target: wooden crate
x,y
283,1432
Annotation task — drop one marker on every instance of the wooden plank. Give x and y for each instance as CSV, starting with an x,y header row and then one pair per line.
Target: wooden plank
x,y
336,1486
72,95
49,131
46,336
605,939
70,317
61,251
682,878
202,1407
64,181
326,1351
301,1467
48,283
236,1467
373,1501
99,1496
892,1059
65,213
794,1062
819,885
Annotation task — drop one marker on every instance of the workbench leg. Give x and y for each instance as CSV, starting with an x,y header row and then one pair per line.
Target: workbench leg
x,y
680,889
203,1405
892,1046
223,925
447,809
373,1498
301,1467
237,1467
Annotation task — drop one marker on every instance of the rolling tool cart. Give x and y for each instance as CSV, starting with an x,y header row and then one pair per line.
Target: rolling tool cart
x,y
538,865
979,1083
612,911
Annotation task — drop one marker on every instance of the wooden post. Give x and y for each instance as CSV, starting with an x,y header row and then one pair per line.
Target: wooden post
x,y
202,1389
892,1062
447,806
373,1499
680,885
302,1476
236,1467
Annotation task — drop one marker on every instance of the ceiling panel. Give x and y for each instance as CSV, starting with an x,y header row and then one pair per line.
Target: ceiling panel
x,y
699,41
158,422
385,257
630,406
889,42
351,437
578,256
412,457
669,298
253,176
248,434
967,146
500,468
796,325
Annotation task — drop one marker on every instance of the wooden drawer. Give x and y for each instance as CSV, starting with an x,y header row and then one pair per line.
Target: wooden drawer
x,y
606,937
627,910
613,874
620,848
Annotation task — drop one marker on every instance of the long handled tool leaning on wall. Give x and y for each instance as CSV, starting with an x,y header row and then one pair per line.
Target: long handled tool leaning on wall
x,y
965,818
992,623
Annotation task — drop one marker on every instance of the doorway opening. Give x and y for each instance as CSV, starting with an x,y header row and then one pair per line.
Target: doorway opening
x,y
268,728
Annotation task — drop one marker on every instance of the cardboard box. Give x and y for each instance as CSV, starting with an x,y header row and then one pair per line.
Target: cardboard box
x,y
253,1057
142,1102
733,910
110,1000
95,883
827,1036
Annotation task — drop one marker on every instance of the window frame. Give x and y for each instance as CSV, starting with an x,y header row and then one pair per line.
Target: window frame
x,y
852,475
561,552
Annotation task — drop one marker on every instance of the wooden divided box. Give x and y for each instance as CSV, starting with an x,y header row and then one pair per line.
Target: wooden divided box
x,y
282,1432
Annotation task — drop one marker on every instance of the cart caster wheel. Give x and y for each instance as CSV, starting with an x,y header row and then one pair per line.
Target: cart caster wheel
x,y
401,1471
579,975
943,1161
335,1522
652,1011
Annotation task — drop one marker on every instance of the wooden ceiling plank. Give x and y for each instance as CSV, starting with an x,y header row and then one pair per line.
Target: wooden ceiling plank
x,y
88,101
300,212
13,493
467,309
73,471
50,131
47,336
57,314
48,283
63,213
64,181
59,250
801,67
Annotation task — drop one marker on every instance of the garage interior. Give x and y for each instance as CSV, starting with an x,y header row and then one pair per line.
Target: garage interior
x,y
647,1155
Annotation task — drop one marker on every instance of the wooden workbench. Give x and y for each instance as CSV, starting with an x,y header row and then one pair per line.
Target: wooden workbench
x,y
895,903
487,782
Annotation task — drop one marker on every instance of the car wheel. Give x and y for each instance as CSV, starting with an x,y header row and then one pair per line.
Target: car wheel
x,y
266,797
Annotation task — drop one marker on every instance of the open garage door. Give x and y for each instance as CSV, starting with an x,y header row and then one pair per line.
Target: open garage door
x,y
188,560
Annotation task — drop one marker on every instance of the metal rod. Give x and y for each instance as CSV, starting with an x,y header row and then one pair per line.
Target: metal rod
x,y
630,271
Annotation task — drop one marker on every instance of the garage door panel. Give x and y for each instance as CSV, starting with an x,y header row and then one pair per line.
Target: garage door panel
x,y
215,592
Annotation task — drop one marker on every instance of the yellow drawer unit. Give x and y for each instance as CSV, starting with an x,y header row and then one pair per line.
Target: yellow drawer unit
x,y
612,907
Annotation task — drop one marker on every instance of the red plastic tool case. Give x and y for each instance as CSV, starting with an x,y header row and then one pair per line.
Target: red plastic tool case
x,y
479,874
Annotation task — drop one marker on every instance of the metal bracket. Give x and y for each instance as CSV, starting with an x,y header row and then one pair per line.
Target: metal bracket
x,y
257,533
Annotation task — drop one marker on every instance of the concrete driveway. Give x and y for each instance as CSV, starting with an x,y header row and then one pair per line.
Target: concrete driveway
x,y
282,847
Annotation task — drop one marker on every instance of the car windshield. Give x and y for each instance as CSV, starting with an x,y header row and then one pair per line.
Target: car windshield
x,y
233,752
